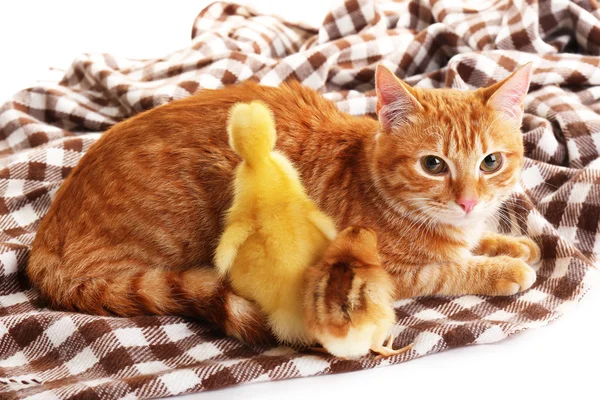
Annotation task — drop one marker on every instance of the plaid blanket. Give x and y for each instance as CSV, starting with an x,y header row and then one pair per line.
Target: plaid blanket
x,y
45,130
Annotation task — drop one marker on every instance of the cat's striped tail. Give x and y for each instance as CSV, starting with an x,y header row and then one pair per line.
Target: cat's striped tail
x,y
142,290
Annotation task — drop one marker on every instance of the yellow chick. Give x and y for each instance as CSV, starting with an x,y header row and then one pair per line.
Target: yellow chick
x,y
273,230
349,297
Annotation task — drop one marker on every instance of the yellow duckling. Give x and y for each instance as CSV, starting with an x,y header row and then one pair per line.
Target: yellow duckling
x,y
273,230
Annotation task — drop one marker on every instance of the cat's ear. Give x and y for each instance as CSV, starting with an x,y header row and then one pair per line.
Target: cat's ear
x,y
396,101
507,96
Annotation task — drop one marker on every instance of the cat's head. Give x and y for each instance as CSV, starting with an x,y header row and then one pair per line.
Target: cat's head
x,y
452,155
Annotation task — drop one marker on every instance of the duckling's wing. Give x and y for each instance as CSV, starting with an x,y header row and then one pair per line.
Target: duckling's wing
x,y
323,223
234,236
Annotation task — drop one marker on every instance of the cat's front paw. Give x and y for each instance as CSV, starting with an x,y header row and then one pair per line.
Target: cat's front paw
x,y
513,276
494,245
530,252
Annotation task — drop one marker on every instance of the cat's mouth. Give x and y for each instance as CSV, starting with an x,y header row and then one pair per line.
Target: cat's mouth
x,y
478,214
453,214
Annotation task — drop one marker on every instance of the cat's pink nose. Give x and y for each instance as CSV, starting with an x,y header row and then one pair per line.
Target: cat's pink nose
x,y
467,204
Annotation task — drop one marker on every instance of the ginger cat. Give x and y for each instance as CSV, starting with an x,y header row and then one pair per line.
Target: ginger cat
x,y
273,230
134,228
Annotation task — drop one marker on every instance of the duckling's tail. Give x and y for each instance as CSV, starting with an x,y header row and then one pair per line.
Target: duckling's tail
x,y
251,129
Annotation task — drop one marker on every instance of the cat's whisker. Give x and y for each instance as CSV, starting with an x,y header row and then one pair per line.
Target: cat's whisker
x,y
375,182
499,224
515,201
511,210
516,205
516,211
426,220
495,221
509,222
415,220
498,217
519,217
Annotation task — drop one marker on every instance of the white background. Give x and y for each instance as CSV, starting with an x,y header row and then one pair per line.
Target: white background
x,y
557,361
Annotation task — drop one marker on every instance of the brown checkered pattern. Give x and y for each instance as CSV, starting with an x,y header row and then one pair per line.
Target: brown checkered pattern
x,y
45,130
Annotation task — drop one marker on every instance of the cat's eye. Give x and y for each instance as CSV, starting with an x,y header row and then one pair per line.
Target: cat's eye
x,y
491,163
433,165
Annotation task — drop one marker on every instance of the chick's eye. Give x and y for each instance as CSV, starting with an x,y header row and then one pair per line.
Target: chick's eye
x,y
433,165
491,163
